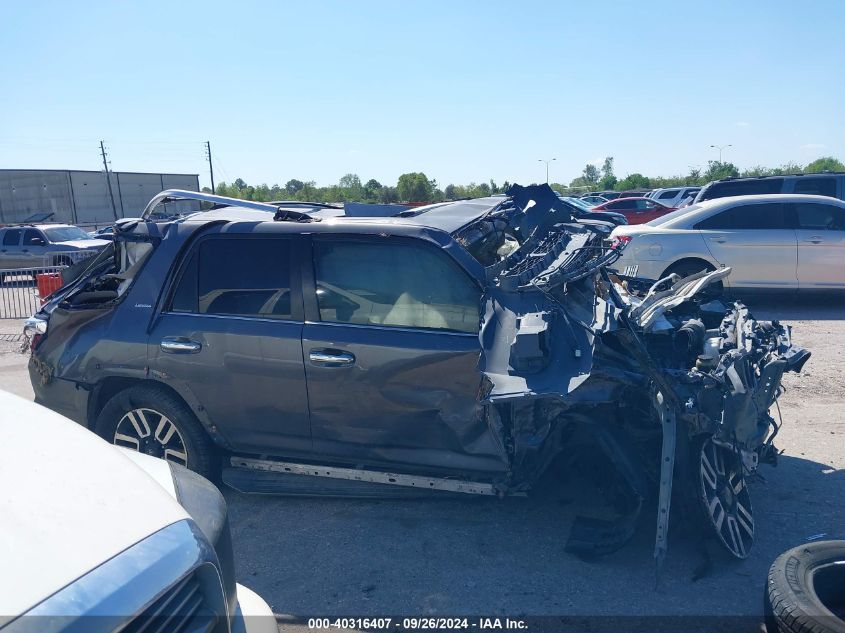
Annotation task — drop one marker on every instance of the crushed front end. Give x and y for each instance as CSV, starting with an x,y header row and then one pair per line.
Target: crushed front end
x,y
671,384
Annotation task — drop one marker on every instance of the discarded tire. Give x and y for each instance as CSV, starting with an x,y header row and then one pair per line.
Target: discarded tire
x,y
805,591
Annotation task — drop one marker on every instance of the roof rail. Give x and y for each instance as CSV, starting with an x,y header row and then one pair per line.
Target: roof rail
x,y
172,195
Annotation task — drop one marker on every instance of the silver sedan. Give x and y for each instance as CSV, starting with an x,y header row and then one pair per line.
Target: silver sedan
x,y
771,242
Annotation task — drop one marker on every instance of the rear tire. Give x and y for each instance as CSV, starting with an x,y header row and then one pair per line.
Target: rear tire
x,y
687,267
805,591
152,420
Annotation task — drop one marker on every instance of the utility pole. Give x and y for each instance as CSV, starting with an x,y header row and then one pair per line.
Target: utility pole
x,y
210,166
108,180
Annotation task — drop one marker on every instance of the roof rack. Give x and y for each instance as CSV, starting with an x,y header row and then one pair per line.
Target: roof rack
x,y
278,210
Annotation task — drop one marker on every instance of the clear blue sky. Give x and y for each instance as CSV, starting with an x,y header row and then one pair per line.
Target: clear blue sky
x,y
461,90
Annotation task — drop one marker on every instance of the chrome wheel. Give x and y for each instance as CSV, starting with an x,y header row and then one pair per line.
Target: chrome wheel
x,y
148,431
725,497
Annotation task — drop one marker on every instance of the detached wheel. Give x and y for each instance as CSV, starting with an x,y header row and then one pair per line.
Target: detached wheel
x,y
724,498
805,592
151,420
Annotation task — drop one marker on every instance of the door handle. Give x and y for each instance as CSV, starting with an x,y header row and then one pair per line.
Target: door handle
x,y
815,239
720,239
331,358
178,345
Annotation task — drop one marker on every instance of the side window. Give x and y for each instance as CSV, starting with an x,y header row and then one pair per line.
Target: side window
x,y
666,195
743,188
31,237
816,186
371,283
748,216
12,237
820,216
236,277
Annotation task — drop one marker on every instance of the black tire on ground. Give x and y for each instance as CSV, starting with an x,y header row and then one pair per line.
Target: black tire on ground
x,y
805,590
157,403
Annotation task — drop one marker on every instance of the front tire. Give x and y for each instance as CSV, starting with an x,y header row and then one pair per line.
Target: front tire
x,y
152,420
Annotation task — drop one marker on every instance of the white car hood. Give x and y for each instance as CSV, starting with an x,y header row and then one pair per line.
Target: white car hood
x,y
69,501
83,244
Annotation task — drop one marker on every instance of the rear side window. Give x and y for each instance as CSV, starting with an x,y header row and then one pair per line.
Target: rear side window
x,y
12,237
816,186
236,277
825,217
666,195
742,188
391,284
747,216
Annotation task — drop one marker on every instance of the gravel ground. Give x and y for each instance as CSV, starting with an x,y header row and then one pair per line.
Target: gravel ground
x,y
505,557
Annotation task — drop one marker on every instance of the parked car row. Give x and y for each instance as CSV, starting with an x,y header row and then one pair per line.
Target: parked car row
x,y
772,242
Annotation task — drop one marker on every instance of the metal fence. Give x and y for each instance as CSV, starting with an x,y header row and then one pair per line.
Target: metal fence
x,y
20,295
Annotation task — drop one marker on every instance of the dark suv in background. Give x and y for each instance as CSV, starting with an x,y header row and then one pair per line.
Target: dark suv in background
x,y
823,184
459,347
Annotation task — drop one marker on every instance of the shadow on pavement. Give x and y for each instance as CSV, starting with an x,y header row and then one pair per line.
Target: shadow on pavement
x,y
796,307
485,556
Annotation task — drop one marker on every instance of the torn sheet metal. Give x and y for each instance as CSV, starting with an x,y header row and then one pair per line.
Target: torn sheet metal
x,y
564,343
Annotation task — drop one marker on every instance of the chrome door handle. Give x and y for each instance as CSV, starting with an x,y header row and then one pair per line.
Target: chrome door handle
x,y
180,346
331,358
815,239
720,240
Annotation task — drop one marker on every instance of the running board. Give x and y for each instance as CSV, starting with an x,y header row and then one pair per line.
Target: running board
x,y
273,477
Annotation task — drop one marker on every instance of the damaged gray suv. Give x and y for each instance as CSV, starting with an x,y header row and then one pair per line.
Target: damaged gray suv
x,y
458,347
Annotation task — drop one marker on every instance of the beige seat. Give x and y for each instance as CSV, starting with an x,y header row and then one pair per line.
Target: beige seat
x,y
409,312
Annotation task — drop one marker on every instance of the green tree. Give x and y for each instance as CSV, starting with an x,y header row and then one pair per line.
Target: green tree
x,y
351,188
717,170
294,186
591,174
414,187
633,181
387,195
825,163
608,179
371,189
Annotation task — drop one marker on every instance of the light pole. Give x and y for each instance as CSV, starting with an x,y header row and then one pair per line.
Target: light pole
x,y
542,160
720,148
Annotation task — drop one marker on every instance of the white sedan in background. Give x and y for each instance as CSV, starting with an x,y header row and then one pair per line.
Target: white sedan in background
x,y
771,242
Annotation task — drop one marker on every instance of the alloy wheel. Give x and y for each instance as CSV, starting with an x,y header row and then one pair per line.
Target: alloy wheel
x,y
725,497
153,433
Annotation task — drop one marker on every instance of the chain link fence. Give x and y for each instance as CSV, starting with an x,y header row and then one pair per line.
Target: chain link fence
x,y
22,290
